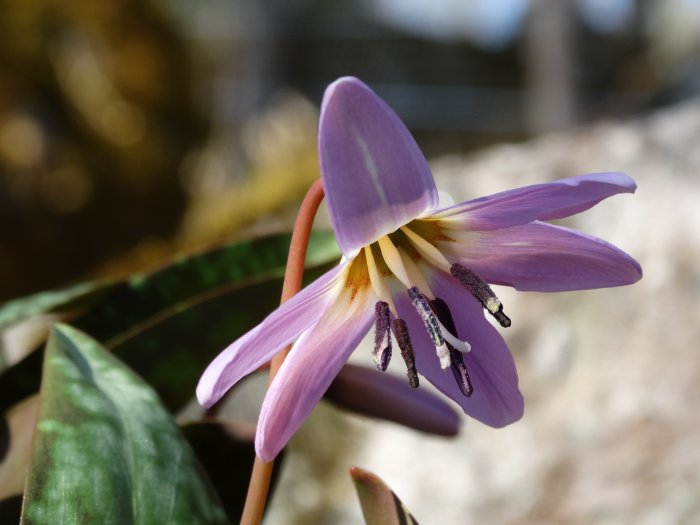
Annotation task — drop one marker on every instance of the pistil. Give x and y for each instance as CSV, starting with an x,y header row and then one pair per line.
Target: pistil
x,y
459,369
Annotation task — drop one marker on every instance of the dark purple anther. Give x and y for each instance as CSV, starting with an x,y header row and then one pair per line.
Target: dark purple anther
x,y
402,338
382,335
482,292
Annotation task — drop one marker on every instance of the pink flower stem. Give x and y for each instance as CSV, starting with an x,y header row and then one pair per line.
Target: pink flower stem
x,y
262,472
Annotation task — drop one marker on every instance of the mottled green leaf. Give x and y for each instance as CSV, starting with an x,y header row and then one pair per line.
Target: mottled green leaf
x,y
169,324
380,506
173,353
147,299
181,326
105,450
23,321
67,299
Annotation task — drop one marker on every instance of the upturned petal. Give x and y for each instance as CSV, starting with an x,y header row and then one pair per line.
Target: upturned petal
x,y
260,344
543,257
314,361
495,400
377,394
552,200
375,176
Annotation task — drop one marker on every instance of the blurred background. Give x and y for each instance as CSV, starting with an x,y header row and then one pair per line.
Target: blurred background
x,y
134,130
130,126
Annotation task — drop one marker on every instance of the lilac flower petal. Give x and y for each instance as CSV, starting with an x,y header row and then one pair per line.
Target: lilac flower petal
x,y
378,394
545,258
314,361
375,176
259,345
496,400
552,200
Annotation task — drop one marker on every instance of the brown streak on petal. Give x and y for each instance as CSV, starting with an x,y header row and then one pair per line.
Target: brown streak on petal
x,y
357,278
440,235
382,268
431,230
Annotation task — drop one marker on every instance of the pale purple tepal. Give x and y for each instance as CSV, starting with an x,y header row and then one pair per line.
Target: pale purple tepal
x,y
417,273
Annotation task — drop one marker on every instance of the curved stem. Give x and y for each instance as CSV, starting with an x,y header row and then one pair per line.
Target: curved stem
x,y
294,272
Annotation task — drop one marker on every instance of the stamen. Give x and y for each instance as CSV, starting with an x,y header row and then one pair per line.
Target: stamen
x,y
376,280
382,335
427,250
402,338
482,292
431,324
392,258
459,369
415,277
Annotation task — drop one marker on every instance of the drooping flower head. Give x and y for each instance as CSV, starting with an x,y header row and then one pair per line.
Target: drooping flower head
x,y
417,273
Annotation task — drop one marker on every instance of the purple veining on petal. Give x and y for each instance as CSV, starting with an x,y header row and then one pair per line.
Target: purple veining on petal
x,y
260,344
545,258
495,400
314,361
553,200
375,177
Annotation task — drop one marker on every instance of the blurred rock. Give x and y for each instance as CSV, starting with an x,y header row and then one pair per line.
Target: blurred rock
x,y
611,377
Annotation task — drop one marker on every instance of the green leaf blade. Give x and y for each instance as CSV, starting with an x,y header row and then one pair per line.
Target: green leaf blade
x,y
75,297
105,449
146,298
169,324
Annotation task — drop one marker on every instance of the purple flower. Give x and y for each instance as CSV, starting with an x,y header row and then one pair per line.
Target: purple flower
x,y
418,273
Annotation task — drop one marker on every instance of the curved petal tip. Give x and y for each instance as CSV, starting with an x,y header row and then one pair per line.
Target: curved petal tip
x,y
375,177
381,395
